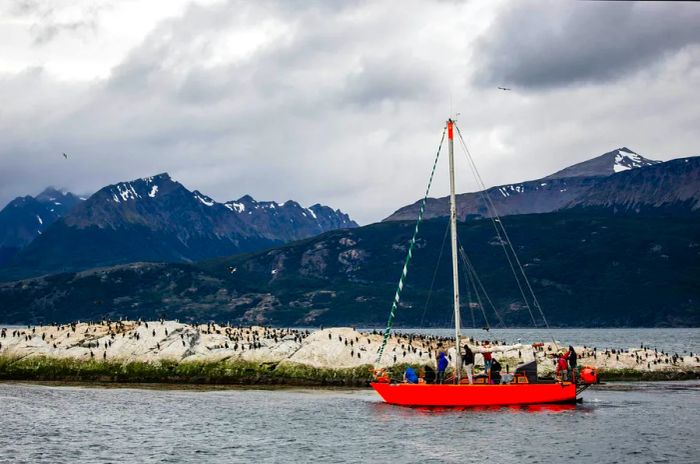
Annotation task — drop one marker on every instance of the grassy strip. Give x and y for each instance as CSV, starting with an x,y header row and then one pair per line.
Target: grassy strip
x,y
234,372
287,373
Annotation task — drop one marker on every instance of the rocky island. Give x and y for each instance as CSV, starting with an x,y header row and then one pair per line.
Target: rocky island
x,y
175,352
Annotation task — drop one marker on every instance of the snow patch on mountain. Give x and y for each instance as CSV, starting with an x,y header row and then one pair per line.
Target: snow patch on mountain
x,y
507,190
627,159
620,167
126,192
235,207
203,198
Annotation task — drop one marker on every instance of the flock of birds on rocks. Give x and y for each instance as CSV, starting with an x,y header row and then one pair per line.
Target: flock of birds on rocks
x,y
423,345
644,355
99,337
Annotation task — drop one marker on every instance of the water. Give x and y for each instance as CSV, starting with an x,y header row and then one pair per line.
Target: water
x,y
624,422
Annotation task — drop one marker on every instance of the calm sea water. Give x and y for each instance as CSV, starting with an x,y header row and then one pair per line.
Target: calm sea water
x,y
623,422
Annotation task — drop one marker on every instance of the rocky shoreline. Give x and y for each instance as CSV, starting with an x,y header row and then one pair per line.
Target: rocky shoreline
x,y
174,352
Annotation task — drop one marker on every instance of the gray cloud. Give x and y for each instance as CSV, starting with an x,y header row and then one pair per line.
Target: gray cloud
x,y
344,106
46,18
387,79
554,43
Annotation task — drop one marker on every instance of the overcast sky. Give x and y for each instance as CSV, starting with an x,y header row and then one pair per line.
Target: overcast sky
x,y
337,102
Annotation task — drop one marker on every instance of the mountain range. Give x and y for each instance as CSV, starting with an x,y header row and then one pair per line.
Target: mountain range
x,y
613,241
158,219
589,269
620,180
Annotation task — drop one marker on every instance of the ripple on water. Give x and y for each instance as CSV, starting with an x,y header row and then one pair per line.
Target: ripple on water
x,y
636,423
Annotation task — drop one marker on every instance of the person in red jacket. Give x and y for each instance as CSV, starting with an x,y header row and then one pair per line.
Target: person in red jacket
x,y
562,370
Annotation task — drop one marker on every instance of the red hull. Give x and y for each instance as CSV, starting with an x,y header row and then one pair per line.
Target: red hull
x,y
475,395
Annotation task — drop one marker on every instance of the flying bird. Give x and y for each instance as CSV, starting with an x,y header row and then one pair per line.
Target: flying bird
x,y
503,88
65,156
232,269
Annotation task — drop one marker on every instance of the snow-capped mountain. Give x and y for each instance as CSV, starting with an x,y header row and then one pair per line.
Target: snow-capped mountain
x,y
289,218
158,201
618,160
25,218
158,219
561,190
666,188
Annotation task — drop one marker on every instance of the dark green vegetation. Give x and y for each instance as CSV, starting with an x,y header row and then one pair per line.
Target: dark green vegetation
x,y
587,269
234,373
186,372
83,248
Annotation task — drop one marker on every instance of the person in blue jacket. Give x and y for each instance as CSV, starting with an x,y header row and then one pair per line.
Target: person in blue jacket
x,y
442,364
409,376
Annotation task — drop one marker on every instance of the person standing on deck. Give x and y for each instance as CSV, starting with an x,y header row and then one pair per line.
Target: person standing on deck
x,y
562,370
573,358
442,363
487,357
468,361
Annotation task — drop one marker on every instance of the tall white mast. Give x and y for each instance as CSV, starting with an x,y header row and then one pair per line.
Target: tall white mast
x,y
453,236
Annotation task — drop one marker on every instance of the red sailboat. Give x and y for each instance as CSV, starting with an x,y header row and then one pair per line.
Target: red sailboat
x,y
475,395
522,388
